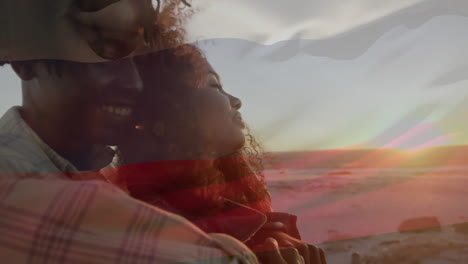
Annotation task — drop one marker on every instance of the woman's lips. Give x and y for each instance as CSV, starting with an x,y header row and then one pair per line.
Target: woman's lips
x,y
238,119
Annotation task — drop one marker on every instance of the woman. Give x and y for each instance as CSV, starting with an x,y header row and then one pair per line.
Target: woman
x,y
207,168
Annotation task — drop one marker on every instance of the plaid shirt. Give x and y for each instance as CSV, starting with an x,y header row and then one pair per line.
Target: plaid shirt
x,y
50,213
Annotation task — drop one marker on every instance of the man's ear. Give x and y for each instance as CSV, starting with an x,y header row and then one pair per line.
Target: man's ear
x,y
24,69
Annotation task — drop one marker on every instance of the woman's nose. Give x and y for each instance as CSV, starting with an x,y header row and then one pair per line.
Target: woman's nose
x,y
236,103
114,28
127,76
136,81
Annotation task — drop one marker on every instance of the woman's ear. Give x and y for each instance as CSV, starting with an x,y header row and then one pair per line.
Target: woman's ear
x,y
24,70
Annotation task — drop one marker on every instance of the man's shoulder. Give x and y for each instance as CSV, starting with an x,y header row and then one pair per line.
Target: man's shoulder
x,y
18,151
16,146
19,147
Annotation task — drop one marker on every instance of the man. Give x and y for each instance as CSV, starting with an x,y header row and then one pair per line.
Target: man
x,y
51,213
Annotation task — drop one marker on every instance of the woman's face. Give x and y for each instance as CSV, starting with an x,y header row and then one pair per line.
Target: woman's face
x,y
216,114
201,122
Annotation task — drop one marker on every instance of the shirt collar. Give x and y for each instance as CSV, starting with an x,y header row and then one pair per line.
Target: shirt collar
x,y
13,123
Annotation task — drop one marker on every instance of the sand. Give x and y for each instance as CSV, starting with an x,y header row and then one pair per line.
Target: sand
x,y
381,215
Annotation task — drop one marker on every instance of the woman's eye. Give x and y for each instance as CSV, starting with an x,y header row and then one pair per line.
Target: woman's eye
x,y
217,87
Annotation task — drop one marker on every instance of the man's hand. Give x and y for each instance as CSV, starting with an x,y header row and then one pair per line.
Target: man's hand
x,y
279,242
310,253
270,252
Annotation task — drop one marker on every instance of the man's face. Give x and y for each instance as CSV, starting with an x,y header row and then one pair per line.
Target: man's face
x,y
92,102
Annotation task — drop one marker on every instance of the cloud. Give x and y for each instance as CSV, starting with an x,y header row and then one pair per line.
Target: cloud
x,y
269,21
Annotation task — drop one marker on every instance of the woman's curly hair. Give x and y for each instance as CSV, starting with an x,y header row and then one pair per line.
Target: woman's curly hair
x,y
175,69
168,31
166,75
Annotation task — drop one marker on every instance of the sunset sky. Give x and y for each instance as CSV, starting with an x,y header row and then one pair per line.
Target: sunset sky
x,y
328,74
